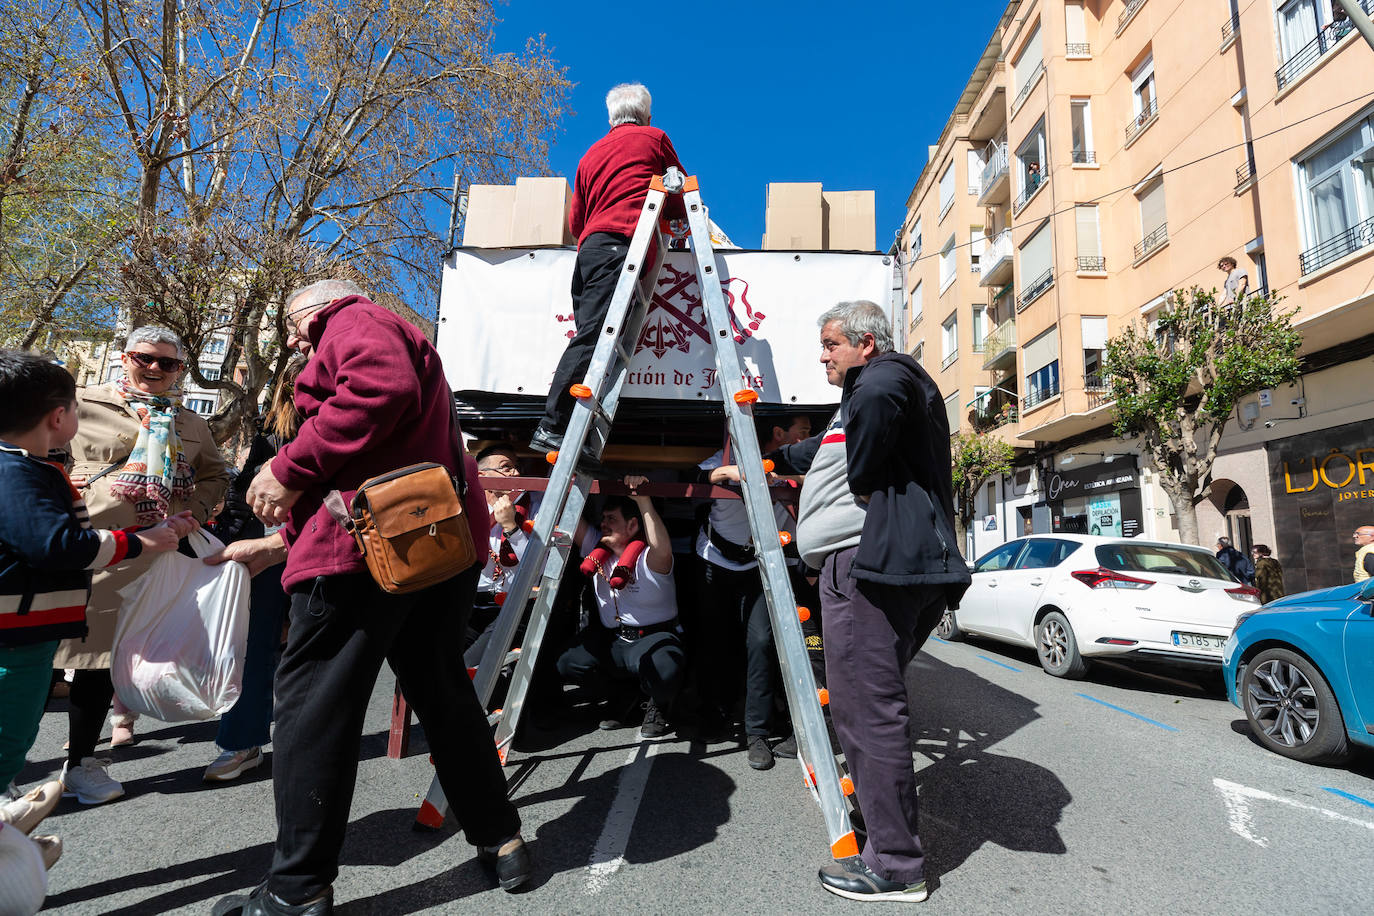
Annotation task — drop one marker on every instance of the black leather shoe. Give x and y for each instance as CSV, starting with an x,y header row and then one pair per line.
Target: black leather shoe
x,y
853,879
786,748
513,866
546,440
760,757
262,903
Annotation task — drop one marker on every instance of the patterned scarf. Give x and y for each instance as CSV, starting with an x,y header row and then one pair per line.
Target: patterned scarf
x,y
157,471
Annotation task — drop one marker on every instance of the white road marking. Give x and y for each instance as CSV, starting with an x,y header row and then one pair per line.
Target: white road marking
x,y
609,853
1238,797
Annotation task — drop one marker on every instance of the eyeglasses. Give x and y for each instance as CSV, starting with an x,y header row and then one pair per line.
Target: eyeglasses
x,y
146,360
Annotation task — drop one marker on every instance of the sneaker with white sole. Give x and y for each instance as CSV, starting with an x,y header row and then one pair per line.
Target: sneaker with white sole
x,y
89,782
231,764
853,879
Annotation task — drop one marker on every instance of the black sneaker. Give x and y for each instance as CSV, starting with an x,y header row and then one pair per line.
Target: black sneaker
x,y
853,879
262,903
654,725
620,712
545,440
786,748
510,860
760,757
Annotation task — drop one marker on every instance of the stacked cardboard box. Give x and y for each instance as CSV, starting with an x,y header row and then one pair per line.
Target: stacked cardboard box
x,y
533,211
802,216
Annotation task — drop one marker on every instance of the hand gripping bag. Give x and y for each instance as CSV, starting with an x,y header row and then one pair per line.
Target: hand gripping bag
x,y
182,633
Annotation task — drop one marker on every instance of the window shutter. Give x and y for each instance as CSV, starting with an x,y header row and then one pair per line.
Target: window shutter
x,y
1089,244
1040,352
1035,255
1152,207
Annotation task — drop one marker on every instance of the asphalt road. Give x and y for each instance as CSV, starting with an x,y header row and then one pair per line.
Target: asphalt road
x,y
1122,793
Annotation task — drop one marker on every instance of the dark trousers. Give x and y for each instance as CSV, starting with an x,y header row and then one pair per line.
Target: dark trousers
x,y
341,631
872,632
87,706
601,656
249,722
735,614
599,260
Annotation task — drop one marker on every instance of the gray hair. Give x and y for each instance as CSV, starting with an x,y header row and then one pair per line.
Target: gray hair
x,y
628,103
153,334
325,291
859,318
1224,541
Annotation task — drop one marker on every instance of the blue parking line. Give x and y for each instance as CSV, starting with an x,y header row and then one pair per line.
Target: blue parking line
x,y
1133,715
1355,798
1000,664
938,639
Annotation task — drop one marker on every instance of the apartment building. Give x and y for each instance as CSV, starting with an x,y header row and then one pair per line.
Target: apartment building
x,y
1103,154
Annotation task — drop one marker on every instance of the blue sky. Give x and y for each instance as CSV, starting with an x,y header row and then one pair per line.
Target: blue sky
x,y
848,95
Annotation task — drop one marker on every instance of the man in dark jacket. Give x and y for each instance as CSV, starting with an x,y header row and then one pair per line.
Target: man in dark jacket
x,y
608,194
1235,561
876,517
372,398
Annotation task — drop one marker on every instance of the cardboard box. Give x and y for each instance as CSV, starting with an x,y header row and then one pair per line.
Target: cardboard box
x,y
850,220
793,219
541,212
491,208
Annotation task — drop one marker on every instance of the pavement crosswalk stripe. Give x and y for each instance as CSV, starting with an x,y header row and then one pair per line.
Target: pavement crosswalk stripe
x,y
609,852
1133,715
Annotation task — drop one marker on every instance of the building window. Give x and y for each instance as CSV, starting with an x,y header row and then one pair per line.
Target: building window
x,y
949,341
1308,29
1028,67
975,171
113,373
1154,227
1037,266
980,326
1042,384
1089,233
919,354
947,265
215,346
211,375
976,242
202,406
1075,31
1143,86
1337,183
1031,163
1094,347
1081,131
952,412
946,190
917,295
916,239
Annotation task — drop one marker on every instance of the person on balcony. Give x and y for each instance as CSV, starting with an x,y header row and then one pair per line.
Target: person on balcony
x,y
1237,282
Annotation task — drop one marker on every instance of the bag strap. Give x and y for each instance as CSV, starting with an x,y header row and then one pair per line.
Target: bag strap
x,y
120,463
456,429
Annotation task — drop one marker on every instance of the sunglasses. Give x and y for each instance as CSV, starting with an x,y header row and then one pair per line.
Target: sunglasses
x,y
165,363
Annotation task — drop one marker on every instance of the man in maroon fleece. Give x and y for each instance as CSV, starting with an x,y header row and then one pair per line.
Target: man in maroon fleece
x,y
608,195
372,398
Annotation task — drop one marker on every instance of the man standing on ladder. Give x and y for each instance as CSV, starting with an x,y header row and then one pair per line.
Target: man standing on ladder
x,y
608,195
876,518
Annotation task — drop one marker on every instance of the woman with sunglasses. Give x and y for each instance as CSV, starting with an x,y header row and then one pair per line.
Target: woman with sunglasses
x,y
138,457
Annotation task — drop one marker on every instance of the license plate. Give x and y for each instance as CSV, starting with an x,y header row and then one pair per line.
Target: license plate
x,y
1198,641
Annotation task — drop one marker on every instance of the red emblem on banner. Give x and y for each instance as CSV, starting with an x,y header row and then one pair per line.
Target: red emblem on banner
x,y
676,313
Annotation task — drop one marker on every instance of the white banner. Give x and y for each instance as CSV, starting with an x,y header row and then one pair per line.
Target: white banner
x,y
505,316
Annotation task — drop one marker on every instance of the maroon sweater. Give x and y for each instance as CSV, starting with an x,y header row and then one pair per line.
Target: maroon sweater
x,y
372,399
613,180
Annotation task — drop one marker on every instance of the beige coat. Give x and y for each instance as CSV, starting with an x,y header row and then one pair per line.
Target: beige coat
x,y
108,430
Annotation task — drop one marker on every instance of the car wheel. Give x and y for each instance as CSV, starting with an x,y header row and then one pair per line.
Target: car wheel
x,y
948,627
1291,709
1057,647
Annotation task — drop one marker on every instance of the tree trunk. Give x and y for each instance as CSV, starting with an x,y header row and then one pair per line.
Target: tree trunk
x,y
1186,515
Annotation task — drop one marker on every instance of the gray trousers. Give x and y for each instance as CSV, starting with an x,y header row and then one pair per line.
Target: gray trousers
x,y
871,633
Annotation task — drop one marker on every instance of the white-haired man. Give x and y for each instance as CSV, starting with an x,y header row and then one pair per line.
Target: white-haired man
x,y
876,517
608,195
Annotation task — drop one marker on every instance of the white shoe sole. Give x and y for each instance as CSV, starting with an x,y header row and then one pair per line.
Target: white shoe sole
x,y
90,799
888,896
236,772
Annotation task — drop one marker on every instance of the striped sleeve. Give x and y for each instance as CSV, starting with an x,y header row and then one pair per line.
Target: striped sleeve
x,y
116,546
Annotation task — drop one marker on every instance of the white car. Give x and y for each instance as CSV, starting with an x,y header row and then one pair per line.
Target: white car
x,y
1073,597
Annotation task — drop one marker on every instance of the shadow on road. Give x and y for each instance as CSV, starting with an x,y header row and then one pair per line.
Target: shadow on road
x,y
968,795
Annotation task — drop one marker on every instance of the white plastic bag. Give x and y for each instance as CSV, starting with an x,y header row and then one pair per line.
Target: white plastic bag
x,y
183,630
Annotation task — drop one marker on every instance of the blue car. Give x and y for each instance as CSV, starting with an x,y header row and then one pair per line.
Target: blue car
x,y
1302,669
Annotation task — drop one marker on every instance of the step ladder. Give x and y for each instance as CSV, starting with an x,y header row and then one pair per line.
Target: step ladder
x,y
597,398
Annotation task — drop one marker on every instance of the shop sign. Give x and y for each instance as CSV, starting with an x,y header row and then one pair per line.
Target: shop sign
x,y
1099,478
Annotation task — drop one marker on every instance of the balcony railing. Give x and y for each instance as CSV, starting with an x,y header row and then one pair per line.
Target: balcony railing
x,y
1245,174
1229,30
949,360
1040,395
995,166
1301,60
1153,240
916,322
1078,49
1136,126
1099,388
999,341
1028,193
1084,157
1128,14
996,259
1092,265
1035,290
1030,82
1337,247
986,421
